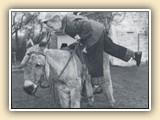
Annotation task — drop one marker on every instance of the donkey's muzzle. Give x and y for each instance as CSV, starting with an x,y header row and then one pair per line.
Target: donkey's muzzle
x,y
29,87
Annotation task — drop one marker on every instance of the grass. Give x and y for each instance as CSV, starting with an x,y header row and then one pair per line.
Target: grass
x,y
130,85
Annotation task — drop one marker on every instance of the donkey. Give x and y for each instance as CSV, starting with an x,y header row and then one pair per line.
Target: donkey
x,y
41,63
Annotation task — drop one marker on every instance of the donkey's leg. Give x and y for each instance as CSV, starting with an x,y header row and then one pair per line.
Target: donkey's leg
x,y
108,92
75,98
75,93
108,88
64,96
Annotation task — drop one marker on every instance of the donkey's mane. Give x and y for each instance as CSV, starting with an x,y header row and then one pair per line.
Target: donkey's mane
x,y
51,52
60,56
57,54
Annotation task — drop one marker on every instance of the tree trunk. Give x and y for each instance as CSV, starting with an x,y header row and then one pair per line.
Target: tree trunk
x,y
17,45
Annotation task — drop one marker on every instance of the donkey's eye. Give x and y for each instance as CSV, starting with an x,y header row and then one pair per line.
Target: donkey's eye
x,y
38,65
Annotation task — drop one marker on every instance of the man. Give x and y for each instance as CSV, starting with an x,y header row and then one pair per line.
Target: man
x,y
95,38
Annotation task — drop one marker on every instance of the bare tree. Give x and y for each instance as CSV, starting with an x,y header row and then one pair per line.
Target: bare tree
x,y
19,20
105,17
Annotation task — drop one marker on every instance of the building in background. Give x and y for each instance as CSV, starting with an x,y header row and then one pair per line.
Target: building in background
x,y
132,32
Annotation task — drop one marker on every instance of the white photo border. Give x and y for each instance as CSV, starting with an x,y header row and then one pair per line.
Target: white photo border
x,y
73,10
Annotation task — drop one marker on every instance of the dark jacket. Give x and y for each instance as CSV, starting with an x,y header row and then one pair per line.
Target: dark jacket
x,y
89,31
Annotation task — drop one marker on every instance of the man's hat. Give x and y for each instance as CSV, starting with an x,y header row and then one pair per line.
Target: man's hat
x,y
52,17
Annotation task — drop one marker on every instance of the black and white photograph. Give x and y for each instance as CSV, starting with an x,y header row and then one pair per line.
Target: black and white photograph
x,y
79,60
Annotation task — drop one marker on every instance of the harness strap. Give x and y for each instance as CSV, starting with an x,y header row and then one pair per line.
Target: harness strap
x,y
53,87
72,53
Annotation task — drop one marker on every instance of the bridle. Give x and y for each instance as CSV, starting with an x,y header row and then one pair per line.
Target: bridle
x,y
43,75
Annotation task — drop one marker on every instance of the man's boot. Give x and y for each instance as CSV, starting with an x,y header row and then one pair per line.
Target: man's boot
x,y
96,83
100,86
135,55
137,58
97,89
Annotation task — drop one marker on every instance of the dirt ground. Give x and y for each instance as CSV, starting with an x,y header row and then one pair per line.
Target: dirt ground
x,y
130,85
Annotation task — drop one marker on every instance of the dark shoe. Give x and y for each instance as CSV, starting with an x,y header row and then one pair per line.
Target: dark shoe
x,y
137,58
97,89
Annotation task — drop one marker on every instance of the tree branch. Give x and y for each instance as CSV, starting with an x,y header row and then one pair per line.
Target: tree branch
x,y
23,23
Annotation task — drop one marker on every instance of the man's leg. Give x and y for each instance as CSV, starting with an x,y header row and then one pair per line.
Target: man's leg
x,y
100,84
94,63
120,51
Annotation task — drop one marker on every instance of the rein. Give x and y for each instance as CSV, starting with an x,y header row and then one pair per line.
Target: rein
x,y
41,79
43,74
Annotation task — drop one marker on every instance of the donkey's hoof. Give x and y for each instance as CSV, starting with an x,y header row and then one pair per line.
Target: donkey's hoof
x,y
90,101
89,105
111,106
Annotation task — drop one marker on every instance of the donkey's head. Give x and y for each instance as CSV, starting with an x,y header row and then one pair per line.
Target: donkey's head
x,y
35,67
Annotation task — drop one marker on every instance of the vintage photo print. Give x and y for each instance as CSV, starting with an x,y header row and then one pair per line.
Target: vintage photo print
x,y
79,60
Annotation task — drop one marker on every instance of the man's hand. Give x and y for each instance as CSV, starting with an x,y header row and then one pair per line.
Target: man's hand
x,y
84,50
77,37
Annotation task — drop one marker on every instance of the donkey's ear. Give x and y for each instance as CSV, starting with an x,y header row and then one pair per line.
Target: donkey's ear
x,y
29,43
43,44
25,60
